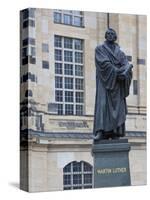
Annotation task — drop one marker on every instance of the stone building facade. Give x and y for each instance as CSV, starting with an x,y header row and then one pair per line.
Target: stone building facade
x,y
57,84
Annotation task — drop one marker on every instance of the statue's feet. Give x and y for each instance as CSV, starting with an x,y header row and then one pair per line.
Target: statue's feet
x,y
98,136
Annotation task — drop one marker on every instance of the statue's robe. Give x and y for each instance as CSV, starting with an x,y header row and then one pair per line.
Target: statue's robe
x,y
111,92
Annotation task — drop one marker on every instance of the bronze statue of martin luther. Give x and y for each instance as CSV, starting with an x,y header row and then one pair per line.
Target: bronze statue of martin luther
x,y
113,79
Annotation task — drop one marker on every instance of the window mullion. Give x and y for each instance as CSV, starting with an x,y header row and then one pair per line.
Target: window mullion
x,y
82,174
62,44
71,175
73,48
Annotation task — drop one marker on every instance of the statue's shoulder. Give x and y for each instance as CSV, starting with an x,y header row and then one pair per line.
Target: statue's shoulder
x,y
99,47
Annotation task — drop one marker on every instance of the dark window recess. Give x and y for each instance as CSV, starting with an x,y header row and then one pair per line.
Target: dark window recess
x,y
28,23
32,60
129,58
29,76
140,61
25,61
25,13
30,12
28,41
135,87
45,64
28,93
25,52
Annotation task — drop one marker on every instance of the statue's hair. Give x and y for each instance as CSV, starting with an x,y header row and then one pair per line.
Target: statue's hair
x,y
110,29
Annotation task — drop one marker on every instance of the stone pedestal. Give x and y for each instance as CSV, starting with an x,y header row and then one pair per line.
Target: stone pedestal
x,y
111,163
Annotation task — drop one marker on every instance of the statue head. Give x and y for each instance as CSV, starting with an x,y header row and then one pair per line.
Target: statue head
x,y
111,35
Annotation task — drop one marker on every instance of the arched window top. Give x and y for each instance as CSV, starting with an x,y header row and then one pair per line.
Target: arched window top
x,y
77,175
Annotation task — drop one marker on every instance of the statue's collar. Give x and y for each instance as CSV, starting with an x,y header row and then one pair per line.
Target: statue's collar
x,y
109,49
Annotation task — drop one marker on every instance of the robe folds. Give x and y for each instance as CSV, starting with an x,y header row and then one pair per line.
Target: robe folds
x,y
111,89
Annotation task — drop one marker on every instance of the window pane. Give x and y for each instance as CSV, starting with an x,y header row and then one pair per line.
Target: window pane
x,y
79,97
87,167
68,96
58,54
67,179
79,109
68,57
78,70
78,21
58,82
74,176
58,68
77,179
79,84
32,49
32,60
59,95
67,168
58,41
45,64
69,109
67,19
78,44
78,57
57,17
87,178
68,83
68,43
60,109
76,166
68,69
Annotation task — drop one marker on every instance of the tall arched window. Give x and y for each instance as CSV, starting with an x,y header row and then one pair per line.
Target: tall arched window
x,y
77,175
